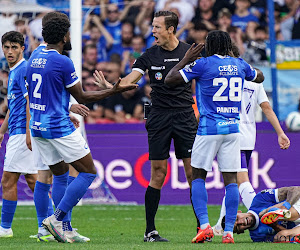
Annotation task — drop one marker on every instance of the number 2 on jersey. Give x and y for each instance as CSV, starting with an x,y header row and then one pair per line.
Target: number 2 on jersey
x,y
235,92
38,78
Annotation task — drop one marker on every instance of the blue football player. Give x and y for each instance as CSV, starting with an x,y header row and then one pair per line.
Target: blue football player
x,y
51,79
219,83
268,202
18,158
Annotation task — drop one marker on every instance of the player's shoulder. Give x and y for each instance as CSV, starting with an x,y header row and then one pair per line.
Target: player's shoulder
x,y
20,67
184,45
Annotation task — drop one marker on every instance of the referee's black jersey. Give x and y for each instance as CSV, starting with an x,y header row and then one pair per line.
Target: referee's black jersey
x,y
159,62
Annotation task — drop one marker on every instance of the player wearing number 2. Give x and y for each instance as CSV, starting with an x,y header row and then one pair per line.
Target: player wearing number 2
x,y
219,83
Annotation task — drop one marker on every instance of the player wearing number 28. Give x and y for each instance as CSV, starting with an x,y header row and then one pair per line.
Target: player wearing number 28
x,y
219,83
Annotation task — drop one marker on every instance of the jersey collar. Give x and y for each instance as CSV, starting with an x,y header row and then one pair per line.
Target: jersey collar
x,y
48,50
16,65
222,57
256,219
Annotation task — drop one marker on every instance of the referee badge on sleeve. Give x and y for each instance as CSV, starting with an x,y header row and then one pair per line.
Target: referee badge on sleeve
x,y
158,76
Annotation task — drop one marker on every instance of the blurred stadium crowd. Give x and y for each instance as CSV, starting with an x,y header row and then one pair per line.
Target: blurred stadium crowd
x,y
116,32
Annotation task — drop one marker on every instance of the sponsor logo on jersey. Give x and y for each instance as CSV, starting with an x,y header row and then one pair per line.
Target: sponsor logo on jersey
x,y
171,60
189,67
226,70
73,75
37,106
158,68
158,76
227,110
229,122
38,63
37,123
11,96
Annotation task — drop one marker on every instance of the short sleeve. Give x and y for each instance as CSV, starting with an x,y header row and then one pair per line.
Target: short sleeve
x,y
69,74
262,96
250,72
22,81
141,63
193,70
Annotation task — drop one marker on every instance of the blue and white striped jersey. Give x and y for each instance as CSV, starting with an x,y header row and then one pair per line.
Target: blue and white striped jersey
x,y
219,84
49,74
16,93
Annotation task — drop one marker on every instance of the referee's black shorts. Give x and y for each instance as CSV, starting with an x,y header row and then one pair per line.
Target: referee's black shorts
x,y
163,125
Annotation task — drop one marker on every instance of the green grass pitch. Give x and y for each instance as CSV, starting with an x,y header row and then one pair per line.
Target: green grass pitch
x,y
122,227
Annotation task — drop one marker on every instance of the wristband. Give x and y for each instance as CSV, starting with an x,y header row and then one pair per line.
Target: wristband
x,y
287,205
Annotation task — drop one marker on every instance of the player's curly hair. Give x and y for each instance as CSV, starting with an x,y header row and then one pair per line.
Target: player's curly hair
x,y
218,42
171,19
13,37
55,30
53,14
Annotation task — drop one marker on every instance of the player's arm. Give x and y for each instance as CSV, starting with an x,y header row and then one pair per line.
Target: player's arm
x,y
283,140
289,194
28,139
174,77
92,96
4,127
259,77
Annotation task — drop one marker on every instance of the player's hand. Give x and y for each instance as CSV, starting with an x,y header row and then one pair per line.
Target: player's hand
x,y
28,140
1,139
80,109
75,121
282,236
101,81
121,87
193,53
283,141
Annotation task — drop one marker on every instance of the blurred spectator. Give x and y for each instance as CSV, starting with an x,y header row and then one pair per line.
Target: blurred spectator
x,y
97,34
130,11
227,4
89,56
110,16
243,19
126,38
29,41
36,26
129,56
96,108
256,49
258,8
121,107
198,35
224,19
7,21
236,36
205,14
296,26
144,20
3,92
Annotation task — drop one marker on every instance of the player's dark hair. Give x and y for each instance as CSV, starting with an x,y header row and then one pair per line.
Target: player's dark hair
x,y
235,50
13,37
53,14
171,19
218,42
55,30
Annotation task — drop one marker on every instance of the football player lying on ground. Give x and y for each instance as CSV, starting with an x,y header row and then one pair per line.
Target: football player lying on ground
x,y
271,205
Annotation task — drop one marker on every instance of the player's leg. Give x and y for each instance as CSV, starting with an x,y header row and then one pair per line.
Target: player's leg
x,y
9,202
184,131
203,153
245,187
43,203
229,160
158,126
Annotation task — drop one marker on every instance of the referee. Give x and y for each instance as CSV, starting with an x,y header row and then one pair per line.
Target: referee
x,y
171,115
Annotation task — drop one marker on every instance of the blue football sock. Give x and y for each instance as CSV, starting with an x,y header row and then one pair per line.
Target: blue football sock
x,y
67,226
60,183
231,204
75,191
50,207
41,201
7,213
199,199
68,216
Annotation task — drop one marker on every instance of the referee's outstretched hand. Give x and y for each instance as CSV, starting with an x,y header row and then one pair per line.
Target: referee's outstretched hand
x,y
193,53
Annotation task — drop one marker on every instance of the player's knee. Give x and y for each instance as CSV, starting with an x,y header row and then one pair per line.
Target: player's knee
x,y
8,184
